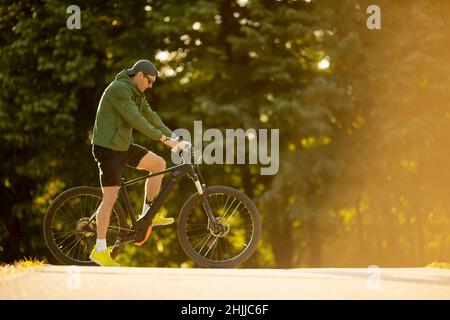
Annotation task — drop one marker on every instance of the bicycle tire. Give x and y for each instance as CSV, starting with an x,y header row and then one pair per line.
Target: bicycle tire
x,y
55,208
187,218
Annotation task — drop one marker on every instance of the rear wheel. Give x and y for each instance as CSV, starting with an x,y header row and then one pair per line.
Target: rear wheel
x,y
70,225
240,229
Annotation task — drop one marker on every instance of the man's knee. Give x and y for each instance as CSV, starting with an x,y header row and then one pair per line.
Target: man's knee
x,y
152,162
161,164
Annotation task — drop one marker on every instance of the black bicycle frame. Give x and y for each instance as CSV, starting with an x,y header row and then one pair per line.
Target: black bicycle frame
x,y
178,172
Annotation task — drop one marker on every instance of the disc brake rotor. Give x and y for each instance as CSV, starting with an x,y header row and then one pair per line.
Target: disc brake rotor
x,y
225,227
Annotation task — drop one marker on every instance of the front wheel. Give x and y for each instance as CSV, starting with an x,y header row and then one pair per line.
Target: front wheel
x,y
240,228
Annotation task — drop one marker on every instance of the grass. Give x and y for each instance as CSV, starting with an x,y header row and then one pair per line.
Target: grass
x,y
440,265
18,266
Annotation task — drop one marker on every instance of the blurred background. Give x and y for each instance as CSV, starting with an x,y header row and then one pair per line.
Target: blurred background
x,y
364,119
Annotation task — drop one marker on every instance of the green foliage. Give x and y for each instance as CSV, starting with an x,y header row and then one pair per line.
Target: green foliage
x,y
363,156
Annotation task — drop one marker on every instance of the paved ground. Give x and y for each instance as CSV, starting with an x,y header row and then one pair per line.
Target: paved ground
x,y
70,282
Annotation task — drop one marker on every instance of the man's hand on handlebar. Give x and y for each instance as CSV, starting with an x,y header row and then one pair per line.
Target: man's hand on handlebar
x,y
181,146
169,141
176,144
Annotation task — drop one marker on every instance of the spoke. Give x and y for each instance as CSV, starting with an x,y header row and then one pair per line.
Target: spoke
x,y
196,221
228,219
196,213
83,206
247,225
70,244
217,205
202,228
197,243
215,240
95,207
228,249
91,201
226,211
62,218
199,236
79,250
222,201
65,234
217,248
209,236
197,224
220,250
69,239
69,210
74,246
226,202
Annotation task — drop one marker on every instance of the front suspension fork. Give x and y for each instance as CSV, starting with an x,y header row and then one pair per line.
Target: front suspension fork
x,y
200,189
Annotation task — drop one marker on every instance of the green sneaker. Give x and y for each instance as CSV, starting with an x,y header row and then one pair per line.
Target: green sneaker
x,y
159,220
103,258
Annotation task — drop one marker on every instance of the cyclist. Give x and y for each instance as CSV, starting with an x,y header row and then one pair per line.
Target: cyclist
x,y
122,108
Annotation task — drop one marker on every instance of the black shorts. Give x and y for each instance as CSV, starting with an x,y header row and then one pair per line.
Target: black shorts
x,y
111,163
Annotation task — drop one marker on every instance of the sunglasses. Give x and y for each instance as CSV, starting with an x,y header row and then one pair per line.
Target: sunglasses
x,y
149,79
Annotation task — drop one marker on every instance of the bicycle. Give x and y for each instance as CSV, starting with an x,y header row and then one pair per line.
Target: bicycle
x,y
218,226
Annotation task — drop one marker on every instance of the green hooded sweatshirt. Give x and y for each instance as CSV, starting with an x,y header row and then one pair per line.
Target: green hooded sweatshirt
x,y
123,107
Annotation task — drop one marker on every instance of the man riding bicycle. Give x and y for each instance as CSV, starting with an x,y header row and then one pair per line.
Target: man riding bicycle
x,y
122,108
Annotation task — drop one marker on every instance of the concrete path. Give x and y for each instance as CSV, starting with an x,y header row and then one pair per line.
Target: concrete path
x,y
72,282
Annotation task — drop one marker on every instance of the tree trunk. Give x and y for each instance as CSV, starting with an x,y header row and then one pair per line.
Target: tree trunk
x,y
280,235
315,242
362,257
